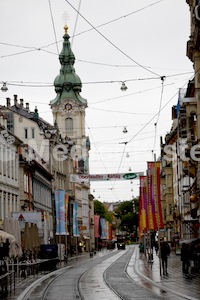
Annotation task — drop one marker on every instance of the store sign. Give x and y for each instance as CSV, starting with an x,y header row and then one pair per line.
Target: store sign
x,y
104,177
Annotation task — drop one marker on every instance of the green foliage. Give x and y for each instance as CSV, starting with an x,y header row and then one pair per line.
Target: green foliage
x,y
101,210
127,212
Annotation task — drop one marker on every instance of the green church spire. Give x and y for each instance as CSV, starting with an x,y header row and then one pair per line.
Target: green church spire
x,y
67,83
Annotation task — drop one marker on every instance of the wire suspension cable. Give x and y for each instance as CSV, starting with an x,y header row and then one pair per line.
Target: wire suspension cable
x,y
156,124
112,43
54,30
79,6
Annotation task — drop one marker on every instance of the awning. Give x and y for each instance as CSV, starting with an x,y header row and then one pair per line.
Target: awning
x,y
6,236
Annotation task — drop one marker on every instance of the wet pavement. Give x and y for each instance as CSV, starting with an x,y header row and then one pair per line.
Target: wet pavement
x,y
175,285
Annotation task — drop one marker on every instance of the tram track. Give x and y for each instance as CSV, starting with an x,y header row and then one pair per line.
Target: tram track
x,y
65,280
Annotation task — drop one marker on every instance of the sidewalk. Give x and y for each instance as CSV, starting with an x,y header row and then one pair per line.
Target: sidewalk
x,y
175,282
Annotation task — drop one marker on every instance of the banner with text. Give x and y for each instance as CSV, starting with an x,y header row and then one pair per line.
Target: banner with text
x,y
104,177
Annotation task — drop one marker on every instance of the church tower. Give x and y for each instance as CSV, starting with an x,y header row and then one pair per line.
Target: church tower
x,y
68,107
68,110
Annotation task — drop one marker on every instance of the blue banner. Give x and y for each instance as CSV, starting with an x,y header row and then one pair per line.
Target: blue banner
x,y
75,219
60,212
103,228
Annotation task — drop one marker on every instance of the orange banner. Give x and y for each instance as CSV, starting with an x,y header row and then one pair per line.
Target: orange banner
x,y
151,195
143,216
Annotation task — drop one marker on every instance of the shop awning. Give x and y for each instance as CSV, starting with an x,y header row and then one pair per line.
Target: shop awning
x,y
6,236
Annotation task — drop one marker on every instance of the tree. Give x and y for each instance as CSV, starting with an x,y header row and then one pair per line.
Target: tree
x,y
101,210
127,212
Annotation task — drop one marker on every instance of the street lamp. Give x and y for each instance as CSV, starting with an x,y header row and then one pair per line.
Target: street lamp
x,y
123,87
125,130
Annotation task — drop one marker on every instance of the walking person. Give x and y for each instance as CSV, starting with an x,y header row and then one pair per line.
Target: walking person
x,y
141,249
156,247
185,258
164,253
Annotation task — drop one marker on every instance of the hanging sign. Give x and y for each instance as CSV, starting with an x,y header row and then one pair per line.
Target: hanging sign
x,y
104,177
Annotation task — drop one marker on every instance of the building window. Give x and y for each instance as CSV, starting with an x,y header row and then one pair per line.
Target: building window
x,y
33,133
10,121
26,183
165,214
170,209
69,124
25,133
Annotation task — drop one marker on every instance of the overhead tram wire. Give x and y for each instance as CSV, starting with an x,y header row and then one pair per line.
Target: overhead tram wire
x,y
157,113
114,20
38,84
41,48
95,146
79,6
125,143
156,123
143,67
54,30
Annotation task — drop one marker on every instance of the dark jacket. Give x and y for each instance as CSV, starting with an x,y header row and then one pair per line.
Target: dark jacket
x,y
164,250
185,252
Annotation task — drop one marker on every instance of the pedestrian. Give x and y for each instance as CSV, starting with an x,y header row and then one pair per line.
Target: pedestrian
x,y
156,247
185,258
164,253
141,248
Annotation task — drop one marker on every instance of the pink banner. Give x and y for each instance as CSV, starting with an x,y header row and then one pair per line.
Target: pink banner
x,y
96,226
158,198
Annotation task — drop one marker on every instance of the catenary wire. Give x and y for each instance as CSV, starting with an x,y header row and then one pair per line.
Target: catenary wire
x,y
109,41
53,24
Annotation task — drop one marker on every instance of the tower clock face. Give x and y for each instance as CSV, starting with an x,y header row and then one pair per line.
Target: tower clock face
x,y
67,106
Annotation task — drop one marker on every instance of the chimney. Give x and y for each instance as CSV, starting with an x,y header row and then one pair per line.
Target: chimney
x,y
21,103
27,106
8,102
36,115
15,100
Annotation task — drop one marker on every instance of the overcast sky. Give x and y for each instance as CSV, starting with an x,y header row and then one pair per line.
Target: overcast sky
x,y
113,41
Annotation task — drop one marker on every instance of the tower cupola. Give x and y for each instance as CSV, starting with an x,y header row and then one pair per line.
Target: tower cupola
x,y
67,84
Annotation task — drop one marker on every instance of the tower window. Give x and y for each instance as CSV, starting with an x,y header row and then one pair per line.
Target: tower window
x,y
69,124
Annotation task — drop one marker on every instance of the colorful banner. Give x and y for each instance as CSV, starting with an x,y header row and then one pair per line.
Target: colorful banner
x,y
154,200
159,216
103,228
110,232
75,219
143,212
103,177
96,226
66,213
151,201
60,212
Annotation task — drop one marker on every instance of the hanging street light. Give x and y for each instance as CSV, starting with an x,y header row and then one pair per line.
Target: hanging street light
x,y
123,87
125,130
